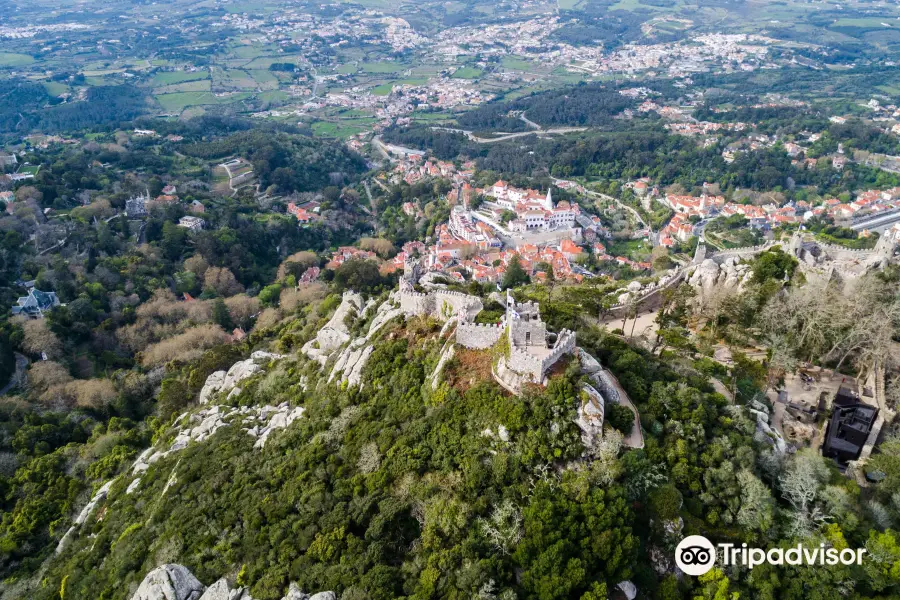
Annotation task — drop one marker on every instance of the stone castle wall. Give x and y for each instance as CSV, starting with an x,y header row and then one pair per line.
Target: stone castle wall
x,y
565,344
534,367
720,255
527,364
449,304
414,303
442,304
478,336
537,328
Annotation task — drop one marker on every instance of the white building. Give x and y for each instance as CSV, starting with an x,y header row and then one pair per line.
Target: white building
x,y
192,223
534,211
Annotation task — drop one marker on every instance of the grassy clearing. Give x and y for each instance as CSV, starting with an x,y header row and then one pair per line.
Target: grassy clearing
x,y
266,79
468,73
173,77
867,22
54,88
515,63
383,90
414,81
201,85
274,96
234,78
12,59
251,52
179,101
337,130
633,249
431,117
382,67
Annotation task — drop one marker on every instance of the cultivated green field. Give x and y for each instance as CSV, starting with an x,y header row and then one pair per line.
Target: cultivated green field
x,y
201,85
468,73
383,67
337,130
515,63
172,77
11,59
179,101
54,88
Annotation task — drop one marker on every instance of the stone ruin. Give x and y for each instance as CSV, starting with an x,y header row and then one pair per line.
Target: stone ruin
x,y
838,262
530,355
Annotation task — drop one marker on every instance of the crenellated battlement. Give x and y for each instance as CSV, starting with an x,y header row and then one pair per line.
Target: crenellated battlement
x,y
441,304
527,364
479,336
565,344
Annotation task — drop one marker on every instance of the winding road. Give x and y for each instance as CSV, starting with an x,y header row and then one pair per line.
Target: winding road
x,y
502,136
19,376
608,198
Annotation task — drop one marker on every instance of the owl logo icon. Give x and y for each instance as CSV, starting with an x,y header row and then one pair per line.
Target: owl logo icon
x,y
695,555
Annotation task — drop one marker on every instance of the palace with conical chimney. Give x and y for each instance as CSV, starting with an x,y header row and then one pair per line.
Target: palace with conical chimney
x,y
534,211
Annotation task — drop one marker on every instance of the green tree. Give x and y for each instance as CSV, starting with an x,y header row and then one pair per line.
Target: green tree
x,y
221,316
774,264
515,275
174,239
270,294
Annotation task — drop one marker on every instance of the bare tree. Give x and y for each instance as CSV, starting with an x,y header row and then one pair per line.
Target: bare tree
x,y
504,527
39,338
222,281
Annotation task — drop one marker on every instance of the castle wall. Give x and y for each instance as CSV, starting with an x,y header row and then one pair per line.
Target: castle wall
x,y
449,304
441,304
527,364
415,303
478,336
538,330
565,344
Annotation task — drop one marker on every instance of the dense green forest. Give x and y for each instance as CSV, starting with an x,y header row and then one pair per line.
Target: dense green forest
x,y
26,106
290,163
395,490
585,104
645,150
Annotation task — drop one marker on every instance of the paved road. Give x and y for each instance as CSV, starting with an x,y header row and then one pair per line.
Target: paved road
x,y
636,438
21,364
387,149
528,121
502,137
606,197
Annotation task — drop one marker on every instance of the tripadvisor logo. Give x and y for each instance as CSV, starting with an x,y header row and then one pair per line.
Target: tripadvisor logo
x,y
696,555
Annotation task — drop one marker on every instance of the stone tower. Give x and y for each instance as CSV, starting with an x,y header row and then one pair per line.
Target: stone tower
x,y
700,252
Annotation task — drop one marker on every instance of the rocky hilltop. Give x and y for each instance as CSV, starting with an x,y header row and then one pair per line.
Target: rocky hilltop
x,y
175,582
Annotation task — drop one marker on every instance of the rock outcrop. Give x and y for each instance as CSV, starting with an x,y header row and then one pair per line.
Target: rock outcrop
x,y
628,589
590,416
169,582
175,582
225,382
335,333
710,277
84,514
258,421
353,355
